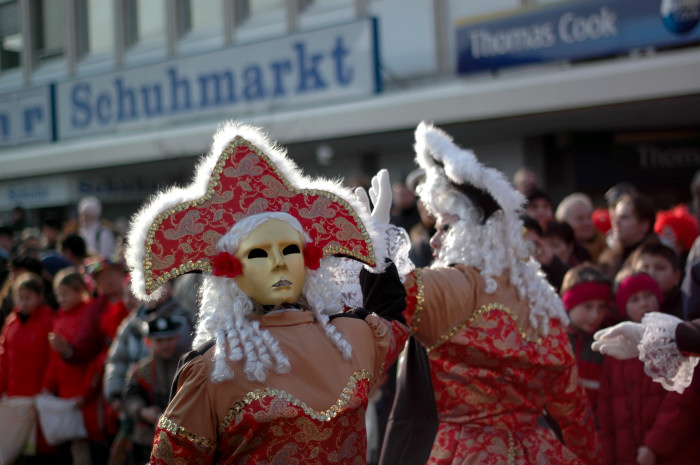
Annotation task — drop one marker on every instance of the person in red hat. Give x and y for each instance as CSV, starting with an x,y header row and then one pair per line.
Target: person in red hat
x,y
639,421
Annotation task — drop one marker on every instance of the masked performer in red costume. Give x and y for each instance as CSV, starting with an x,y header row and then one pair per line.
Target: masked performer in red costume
x,y
493,328
276,377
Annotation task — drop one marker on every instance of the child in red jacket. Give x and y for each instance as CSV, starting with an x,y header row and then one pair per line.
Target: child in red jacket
x,y
24,344
71,381
640,422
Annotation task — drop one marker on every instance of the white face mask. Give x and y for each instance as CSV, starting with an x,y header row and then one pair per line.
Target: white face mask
x,y
273,264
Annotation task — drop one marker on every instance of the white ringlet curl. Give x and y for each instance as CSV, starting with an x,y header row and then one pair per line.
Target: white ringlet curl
x,y
225,310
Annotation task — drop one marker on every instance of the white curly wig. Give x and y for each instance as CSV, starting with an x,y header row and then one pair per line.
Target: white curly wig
x,y
489,233
225,310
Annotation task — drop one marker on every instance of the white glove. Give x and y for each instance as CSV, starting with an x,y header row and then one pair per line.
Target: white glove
x,y
380,192
619,341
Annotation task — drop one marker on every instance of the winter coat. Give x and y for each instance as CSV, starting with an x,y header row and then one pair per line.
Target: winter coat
x,y
633,410
24,352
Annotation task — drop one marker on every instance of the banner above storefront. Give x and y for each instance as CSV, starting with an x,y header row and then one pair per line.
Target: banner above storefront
x,y
575,30
334,64
26,116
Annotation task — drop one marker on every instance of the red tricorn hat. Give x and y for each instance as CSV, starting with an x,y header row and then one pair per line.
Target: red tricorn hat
x,y
244,174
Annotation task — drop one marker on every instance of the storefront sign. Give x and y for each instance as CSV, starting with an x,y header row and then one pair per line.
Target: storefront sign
x,y
575,30
36,192
339,63
26,116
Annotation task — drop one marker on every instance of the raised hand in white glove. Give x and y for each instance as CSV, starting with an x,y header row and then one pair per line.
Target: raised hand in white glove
x,y
619,341
380,192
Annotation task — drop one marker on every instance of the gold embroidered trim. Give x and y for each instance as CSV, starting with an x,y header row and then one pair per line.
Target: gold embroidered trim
x,y
173,428
511,449
325,415
203,264
478,312
420,301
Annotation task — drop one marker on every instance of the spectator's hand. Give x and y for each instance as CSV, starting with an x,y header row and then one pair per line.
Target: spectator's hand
x,y
645,456
619,341
150,414
60,345
380,193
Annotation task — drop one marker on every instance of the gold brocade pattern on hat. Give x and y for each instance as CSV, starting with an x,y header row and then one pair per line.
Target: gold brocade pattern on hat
x,y
477,313
182,238
325,415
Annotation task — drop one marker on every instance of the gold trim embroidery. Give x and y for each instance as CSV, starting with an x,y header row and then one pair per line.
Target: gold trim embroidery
x,y
511,449
326,415
173,428
203,264
420,300
480,311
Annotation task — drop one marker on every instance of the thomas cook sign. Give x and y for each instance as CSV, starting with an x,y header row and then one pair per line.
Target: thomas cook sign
x,y
575,30
300,70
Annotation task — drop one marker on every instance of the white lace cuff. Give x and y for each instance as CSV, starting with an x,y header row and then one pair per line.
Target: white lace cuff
x,y
347,272
663,362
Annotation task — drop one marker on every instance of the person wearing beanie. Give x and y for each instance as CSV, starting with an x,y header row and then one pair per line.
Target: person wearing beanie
x,y
639,421
493,327
586,296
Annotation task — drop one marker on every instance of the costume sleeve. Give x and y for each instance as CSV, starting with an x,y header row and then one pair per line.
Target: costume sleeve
x,y
688,337
677,421
606,426
49,381
188,429
659,350
568,405
384,295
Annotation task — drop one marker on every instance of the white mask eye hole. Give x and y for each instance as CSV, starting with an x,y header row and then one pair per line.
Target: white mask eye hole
x,y
290,249
257,253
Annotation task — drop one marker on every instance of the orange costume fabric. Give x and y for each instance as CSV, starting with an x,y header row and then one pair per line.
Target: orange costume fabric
x,y
493,374
313,415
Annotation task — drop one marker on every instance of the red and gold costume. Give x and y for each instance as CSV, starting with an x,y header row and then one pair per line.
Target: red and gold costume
x,y
312,415
492,374
275,379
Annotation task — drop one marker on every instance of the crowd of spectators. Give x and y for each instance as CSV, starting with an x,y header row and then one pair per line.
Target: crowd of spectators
x,y
72,330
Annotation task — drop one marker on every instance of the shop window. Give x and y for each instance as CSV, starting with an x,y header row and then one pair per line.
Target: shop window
x,y
49,26
257,10
10,35
201,17
95,20
144,21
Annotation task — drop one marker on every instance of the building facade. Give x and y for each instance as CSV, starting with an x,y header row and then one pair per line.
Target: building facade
x,y
117,98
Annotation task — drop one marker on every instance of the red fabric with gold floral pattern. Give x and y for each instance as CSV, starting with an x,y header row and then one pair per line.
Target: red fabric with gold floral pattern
x,y
491,385
243,421
245,182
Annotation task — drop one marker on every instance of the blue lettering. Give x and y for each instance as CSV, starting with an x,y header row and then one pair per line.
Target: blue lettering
x,y
254,88
81,109
32,115
222,85
104,107
308,71
279,67
175,85
342,75
156,92
125,97
5,126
